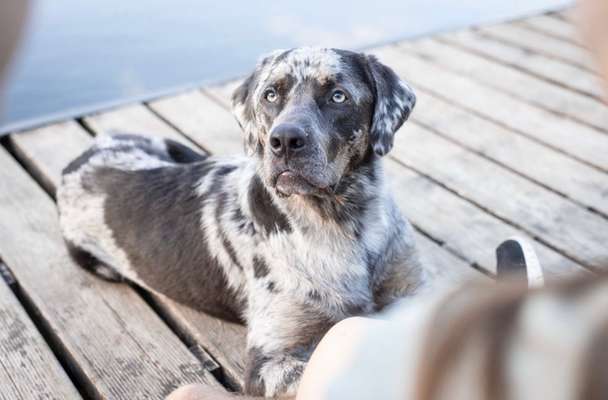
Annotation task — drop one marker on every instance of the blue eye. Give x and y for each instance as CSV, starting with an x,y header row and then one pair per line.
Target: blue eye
x,y
271,95
338,96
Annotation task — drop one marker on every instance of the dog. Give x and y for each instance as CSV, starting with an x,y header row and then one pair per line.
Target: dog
x,y
294,236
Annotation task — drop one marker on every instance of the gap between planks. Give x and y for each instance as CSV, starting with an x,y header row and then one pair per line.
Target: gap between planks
x,y
539,43
528,89
542,126
535,64
28,367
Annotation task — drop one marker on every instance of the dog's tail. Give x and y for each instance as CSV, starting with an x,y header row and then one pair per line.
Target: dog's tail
x,y
182,154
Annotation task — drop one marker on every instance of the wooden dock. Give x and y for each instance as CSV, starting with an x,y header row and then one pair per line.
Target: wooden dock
x,y
509,137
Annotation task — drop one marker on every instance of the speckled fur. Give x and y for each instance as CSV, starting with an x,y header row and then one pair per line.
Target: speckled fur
x,y
214,233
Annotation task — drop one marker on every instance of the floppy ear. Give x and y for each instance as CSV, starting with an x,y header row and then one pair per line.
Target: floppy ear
x,y
394,101
243,102
244,111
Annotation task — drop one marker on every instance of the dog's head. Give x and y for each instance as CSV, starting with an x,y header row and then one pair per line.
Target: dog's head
x,y
311,115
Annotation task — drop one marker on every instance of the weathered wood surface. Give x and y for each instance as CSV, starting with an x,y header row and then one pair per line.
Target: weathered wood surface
x,y
551,26
28,368
546,167
561,223
546,68
521,85
135,119
203,120
561,133
118,347
538,43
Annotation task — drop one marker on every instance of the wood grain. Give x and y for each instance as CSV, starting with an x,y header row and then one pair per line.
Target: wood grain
x,y
119,348
561,133
553,27
203,120
584,184
532,90
134,119
539,43
539,65
28,368
566,226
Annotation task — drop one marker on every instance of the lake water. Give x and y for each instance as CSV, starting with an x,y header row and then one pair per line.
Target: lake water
x,y
84,55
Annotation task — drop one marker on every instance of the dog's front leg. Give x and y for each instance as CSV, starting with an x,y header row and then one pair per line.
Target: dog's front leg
x,y
402,279
281,337
273,373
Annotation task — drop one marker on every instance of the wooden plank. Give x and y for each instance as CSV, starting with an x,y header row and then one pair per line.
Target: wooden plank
x,y
28,368
539,43
582,183
566,226
223,93
224,341
72,149
135,119
202,120
521,85
579,141
118,347
464,228
536,64
569,15
553,27
442,263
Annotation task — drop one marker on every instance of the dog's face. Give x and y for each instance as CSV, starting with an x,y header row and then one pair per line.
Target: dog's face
x,y
311,115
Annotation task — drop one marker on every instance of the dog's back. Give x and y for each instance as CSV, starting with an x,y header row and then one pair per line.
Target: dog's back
x,y
79,186
129,210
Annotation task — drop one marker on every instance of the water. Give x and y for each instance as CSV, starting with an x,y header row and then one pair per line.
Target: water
x,y
80,56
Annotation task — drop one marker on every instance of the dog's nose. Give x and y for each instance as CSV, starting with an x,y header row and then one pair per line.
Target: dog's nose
x,y
287,139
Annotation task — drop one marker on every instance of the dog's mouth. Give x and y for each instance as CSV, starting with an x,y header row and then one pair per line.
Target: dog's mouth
x,y
289,183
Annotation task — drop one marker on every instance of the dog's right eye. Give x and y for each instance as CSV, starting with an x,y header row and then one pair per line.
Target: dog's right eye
x,y
270,95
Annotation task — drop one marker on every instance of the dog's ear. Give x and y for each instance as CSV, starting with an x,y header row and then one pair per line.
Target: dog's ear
x,y
244,111
394,101
243,103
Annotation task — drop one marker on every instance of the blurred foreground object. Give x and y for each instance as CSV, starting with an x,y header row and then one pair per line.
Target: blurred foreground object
x,y
12,19
592,20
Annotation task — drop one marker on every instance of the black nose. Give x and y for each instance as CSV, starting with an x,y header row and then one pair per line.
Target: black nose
x,y
287,139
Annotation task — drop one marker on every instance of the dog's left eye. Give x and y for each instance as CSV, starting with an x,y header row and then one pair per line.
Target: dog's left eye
x,y
338,96
271,95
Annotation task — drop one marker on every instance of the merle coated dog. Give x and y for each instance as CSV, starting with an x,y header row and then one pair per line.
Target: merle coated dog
x,y
290,239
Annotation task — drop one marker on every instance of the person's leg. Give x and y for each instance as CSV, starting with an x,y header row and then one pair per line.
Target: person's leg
x,y
330,357
333,355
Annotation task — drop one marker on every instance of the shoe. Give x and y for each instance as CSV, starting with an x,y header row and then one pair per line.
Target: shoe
x,y
516,259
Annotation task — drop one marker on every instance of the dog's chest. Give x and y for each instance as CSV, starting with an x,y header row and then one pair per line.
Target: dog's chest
x,y
329,272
